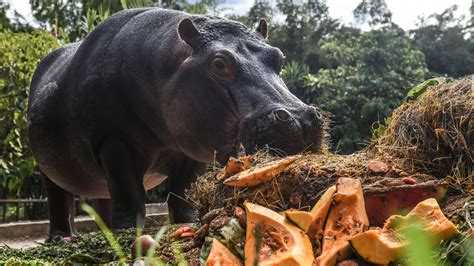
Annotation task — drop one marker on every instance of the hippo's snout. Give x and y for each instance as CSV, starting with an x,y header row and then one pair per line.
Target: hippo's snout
x,y
284,130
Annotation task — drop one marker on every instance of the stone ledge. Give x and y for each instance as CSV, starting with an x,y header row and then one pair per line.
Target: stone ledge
x,y
157,214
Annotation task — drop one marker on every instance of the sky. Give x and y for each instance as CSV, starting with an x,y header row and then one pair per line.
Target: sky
x,y
405,12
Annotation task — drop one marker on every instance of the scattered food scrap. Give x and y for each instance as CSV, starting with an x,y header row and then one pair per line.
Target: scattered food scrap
x,y
260,173
385,245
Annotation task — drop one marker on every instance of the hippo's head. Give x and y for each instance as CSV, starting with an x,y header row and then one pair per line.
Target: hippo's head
x,y
231,93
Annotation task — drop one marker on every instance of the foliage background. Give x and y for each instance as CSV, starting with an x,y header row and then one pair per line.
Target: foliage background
x,y
358,76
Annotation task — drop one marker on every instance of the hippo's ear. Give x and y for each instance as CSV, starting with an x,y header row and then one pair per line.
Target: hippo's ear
x,y
188,32
262,28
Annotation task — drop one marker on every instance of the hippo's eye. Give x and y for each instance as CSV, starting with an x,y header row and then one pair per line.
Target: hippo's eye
x,y
218,64
222,67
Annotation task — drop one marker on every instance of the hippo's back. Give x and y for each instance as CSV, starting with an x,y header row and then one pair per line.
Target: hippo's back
x,y
76,99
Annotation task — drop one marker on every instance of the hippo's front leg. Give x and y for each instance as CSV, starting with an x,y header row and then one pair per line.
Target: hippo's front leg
x,y
124,171
182,173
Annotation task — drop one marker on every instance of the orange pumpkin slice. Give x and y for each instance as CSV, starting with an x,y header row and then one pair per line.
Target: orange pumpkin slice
x,y
314,220
221,256
234,166
429,214
279,242
377,246
382,246
347,217
260,174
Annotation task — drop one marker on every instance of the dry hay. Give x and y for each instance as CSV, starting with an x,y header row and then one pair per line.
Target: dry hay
x,y
434,134
299,186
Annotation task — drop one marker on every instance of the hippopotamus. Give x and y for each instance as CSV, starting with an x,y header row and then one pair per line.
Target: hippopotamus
x,y
152,94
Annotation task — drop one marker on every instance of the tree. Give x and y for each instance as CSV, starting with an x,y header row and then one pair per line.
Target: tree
x,y
306,24
261,9
371,74
375,12
445,44
472,21
4,20
67,15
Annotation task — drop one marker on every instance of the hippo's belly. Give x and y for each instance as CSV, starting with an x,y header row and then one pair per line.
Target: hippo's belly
x,y
65,155
80,176
152,180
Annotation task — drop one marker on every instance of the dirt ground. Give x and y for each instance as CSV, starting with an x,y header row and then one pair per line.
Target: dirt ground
x,y
25,242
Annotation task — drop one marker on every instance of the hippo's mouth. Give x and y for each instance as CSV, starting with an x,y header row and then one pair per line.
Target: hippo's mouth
x,y
282,133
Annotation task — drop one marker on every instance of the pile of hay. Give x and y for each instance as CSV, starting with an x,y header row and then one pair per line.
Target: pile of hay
x,y
434,134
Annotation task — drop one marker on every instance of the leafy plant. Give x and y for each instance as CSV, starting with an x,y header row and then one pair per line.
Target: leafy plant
x,y
419,251
299,79
20,54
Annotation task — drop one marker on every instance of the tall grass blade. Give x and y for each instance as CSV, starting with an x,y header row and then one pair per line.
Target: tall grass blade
x,y
105,230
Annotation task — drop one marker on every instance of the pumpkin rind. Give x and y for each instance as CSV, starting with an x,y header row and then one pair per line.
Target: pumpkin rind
x,y
432,218
320,213
221,256
347,217
301,218
382,246
282,243
255,176
377,246
312,222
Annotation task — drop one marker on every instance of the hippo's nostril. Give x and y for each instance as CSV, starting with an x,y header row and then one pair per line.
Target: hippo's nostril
x,y
282,115
319,115
317,112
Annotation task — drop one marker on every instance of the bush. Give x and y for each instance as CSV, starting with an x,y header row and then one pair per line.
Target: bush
x,y
20,54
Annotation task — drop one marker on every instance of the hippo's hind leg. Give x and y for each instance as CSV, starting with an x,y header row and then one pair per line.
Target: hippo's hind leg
x,y
103,207
61,212
124,171
182,173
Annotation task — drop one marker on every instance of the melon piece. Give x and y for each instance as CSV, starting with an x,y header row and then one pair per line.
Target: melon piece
x,y
301,218
273,240
312,222
378,246
347,217
320,212
383,201
429,214
221,256
261,173
382,246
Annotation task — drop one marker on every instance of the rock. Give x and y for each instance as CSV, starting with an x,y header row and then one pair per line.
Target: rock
x,y
377,167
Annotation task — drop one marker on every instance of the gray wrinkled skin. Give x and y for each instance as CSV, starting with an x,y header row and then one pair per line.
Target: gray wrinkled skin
x,y
139,99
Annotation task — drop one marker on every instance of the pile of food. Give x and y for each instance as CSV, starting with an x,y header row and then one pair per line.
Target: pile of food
x,y
336,227
412,187
434,133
